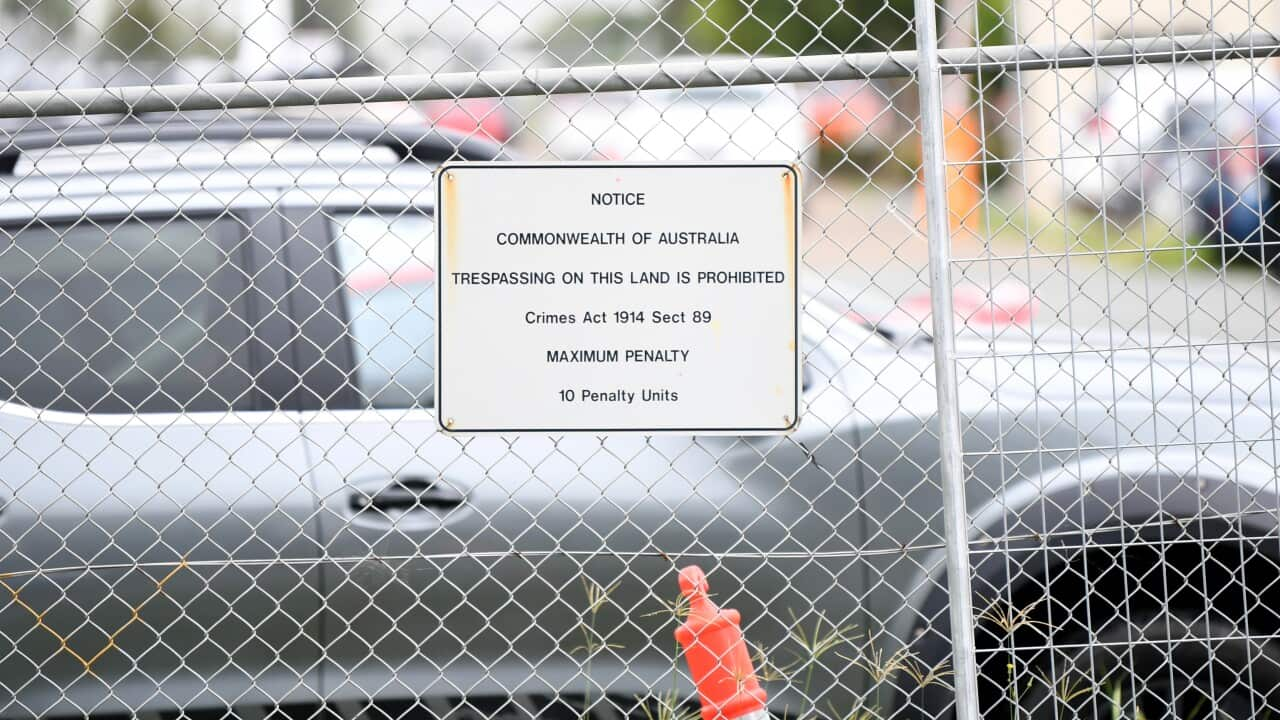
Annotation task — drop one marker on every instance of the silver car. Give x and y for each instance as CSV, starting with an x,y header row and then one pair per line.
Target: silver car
x,y
222,490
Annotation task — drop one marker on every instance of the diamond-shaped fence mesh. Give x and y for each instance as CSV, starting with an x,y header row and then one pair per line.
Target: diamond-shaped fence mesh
x,y
223,492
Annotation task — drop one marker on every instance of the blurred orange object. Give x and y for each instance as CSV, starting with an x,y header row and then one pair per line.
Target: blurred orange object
x,y
964,172
962,143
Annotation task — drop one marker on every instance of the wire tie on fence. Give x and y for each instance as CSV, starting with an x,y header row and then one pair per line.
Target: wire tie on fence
x,y
63,644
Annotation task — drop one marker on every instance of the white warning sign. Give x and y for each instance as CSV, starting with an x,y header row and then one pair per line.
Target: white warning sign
x,y
607,298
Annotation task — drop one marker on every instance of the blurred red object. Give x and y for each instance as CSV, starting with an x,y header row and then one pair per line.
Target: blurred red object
x,y
1008,303
841,120
479,117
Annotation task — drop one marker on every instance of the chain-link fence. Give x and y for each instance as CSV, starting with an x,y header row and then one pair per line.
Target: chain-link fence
x,y
1035,471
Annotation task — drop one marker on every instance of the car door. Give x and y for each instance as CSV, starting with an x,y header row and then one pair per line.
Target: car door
x,y
464,568
156,535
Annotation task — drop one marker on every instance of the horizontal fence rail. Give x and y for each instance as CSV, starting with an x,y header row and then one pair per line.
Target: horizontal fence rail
x,y
671,75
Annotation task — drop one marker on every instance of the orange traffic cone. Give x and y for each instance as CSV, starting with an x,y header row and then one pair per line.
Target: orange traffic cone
x,y
717,655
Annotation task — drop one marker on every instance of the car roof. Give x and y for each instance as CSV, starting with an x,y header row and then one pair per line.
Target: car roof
x,y
157,165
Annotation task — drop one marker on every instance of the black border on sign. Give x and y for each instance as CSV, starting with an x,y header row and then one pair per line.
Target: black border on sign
x,y
455,166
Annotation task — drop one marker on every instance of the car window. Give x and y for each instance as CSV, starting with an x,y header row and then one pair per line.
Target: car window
x,y
124,316
388,268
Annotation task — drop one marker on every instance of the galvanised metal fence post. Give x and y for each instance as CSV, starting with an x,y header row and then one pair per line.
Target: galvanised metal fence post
x,y
929,77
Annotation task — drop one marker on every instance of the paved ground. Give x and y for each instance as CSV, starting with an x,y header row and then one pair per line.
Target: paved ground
x,y
865,241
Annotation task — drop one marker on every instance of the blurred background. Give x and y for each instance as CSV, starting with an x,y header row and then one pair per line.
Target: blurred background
x,y
1157,174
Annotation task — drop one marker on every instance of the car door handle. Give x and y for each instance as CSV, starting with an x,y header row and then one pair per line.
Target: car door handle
x,y
408,493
